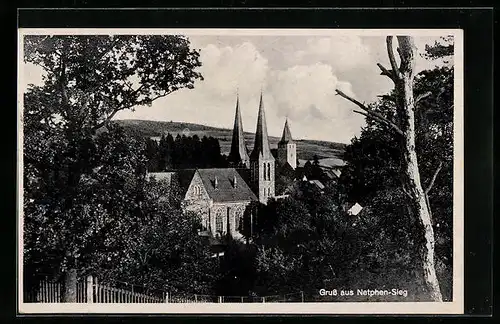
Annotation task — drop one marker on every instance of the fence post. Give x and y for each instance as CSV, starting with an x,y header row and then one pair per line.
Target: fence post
x,y
302,295
166,297
263,299
195,298
90,289
220,299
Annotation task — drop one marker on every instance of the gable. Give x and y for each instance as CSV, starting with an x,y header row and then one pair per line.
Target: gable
x,y
196,189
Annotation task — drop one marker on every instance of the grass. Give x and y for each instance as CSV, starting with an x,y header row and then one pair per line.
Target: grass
x,y
306,149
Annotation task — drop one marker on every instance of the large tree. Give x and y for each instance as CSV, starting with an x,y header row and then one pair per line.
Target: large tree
x,y
87,80
399,117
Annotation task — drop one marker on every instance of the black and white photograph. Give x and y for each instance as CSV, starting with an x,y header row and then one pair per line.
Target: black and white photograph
x,y
240,171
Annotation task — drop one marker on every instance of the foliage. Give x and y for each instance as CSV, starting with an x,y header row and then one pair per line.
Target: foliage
x,y
373,159
164,250
55,207
184,152
82,174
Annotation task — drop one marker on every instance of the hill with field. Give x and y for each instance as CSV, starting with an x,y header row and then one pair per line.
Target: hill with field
x,y
330,153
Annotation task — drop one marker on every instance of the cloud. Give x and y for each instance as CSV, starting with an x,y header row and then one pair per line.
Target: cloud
x,y
228,68
306,95
341,52
303,93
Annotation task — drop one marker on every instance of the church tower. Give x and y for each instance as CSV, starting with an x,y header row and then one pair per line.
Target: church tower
x,y
287,150
239,151
261,160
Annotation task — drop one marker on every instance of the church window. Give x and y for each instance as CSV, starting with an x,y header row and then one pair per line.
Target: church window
x,y
237,221
219,222
269,171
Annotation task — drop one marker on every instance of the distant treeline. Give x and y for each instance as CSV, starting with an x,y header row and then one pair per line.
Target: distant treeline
x,y
183,152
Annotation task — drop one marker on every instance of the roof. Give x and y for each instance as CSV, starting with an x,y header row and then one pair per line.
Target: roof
x,y
355,209
239,150
317,183
261,145
225,191
161,176
184,177
287,135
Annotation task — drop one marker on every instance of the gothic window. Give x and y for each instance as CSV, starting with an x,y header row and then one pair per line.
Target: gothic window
x,y
219,222
237,221
269,171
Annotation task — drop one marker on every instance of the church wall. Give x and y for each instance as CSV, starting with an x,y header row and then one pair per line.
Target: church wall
x,y
230,213
264,184
288,153
197,200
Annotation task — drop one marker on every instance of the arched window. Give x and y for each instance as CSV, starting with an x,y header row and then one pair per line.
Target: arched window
x,y
219,222
269,171
237,221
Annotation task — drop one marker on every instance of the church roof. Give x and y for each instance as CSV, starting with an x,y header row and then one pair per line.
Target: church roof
x,y
239,150
225,190
161,176
261,144
287,135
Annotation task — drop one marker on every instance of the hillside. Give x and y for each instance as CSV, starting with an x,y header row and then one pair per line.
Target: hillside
x,y
306,149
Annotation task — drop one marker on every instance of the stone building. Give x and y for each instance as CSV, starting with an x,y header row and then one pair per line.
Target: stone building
x,y
287,149
222,195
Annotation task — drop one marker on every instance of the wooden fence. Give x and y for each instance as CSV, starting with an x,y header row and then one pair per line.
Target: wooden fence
x,y
90,291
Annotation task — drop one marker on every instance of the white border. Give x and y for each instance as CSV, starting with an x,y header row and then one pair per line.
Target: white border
x,y
454,307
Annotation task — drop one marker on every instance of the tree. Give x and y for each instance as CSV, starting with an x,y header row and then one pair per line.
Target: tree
x,y
87,80
165,251
404,128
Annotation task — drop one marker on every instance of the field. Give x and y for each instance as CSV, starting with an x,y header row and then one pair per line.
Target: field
x,y
330,153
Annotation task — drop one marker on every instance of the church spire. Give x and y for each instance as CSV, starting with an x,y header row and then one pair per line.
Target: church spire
x,y
261,145
239,151
287,135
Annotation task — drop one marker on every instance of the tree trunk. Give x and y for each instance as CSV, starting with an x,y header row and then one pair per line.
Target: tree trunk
x,y
411,174
70,279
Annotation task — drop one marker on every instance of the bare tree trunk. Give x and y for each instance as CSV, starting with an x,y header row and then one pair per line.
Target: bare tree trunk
x,y
70,280
404,128
411,174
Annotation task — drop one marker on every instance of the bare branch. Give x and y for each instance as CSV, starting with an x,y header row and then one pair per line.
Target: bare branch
x,y
386,72
434,177
392,59
387,97
370,116
370,113
422,96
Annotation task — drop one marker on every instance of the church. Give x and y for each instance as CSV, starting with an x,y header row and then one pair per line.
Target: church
x,y
222,196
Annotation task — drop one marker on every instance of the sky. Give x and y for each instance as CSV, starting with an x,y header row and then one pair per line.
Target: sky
x,y
297,74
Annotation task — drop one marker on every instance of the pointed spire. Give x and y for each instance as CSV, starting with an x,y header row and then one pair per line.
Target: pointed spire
x,y
239,150
261,145
287,135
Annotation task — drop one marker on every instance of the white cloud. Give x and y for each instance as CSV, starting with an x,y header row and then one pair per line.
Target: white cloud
x,y
341,52
306,95
298,76
226,70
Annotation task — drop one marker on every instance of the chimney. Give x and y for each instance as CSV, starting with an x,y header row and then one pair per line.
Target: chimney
x,y
216,182
234,181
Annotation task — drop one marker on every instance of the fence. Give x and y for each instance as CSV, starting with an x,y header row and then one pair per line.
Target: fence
x,y
90,291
